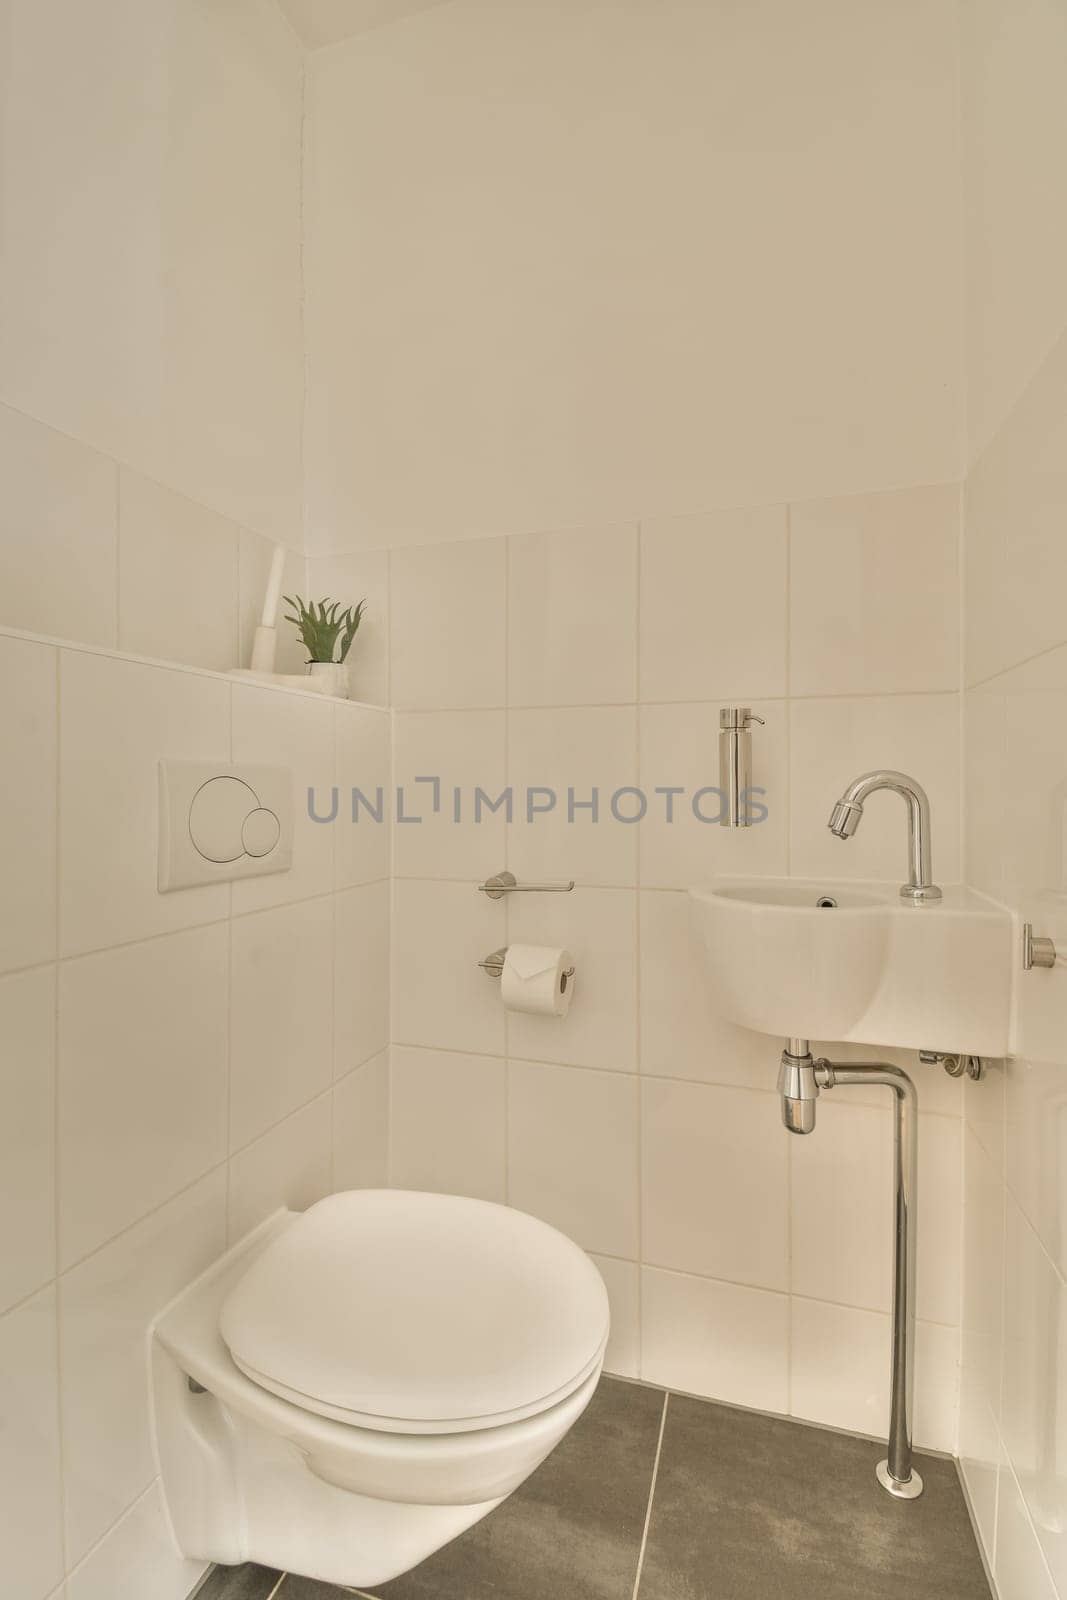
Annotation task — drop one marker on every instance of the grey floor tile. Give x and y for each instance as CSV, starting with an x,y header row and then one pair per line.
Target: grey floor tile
x,y
239,1583
749,1507
295,1588
571,1532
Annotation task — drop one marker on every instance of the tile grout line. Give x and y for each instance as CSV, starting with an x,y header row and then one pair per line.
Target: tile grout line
x,y
508,846
639,867
278,1586
651,1495
790,1308
56,1188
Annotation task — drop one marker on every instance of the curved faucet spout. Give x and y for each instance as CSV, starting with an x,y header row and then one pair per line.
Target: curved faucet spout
x,y
847,815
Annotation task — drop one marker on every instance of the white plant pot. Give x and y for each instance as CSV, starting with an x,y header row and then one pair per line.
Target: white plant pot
x,y
330,677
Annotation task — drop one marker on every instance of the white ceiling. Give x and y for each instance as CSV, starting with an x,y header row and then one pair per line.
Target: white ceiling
x,y
321,22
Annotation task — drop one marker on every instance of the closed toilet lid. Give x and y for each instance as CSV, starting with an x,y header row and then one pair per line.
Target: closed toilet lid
x,y
412,1312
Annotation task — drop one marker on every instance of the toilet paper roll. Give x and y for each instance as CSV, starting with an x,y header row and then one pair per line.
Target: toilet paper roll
x,y
535,980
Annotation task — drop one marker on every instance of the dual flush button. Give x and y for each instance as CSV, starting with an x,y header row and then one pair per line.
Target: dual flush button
x,y
219,822
226,821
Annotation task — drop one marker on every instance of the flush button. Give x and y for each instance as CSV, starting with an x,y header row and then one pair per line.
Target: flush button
x,y
217,817
261,832
219,823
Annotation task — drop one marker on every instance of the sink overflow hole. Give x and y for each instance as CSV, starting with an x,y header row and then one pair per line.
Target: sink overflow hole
x,y
825,901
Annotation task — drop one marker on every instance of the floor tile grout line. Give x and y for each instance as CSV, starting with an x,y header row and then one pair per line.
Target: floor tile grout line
x,y
651,1495
278,1586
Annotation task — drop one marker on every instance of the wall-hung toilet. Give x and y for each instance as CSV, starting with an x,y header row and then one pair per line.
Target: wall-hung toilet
x,y
350,1387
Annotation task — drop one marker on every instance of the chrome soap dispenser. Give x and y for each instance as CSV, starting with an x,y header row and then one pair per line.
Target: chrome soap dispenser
x,y
735,764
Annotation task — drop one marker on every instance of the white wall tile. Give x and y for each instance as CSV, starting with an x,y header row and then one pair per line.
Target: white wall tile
x,y
464,750
362,845
441,998
940,1219
599,928
854,1394
572,618
680,749
361,976
1035,1139
58,533
254,557
448,1123
28,802
361,1127
137,1556
981,1342
105,1307
31,1531
572,1153
979,1449
579,749
349,579
142,1080
1014,504
990,846
1034,1404
296,732
622,1280
27,1133
841,1186
861,568
447,625
281,1026
1016,834
289,1166
834,741
713,606
1021,1571
680,1035
984,1112
715,1339
711,1152
118,719
841,1219
177,577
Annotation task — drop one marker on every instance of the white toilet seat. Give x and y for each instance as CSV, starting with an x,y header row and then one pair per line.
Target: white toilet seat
x,y
250,1474
402,1312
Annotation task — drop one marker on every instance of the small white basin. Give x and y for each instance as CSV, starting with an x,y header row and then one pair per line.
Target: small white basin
x,y
867,967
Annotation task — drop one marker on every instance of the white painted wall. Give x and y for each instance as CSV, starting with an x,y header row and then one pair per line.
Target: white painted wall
x,y
574,269
150,330
575,262
1013,1423
171,1068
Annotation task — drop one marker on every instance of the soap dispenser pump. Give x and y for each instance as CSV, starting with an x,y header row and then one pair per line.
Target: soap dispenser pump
x,y
735,764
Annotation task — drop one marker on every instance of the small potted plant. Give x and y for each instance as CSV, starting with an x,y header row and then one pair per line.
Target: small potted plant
x,y
327,632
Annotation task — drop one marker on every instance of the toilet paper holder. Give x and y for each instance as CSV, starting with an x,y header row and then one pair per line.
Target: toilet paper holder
x,y
493,965
502,883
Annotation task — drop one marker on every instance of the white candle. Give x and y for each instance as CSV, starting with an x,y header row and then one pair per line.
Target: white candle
x,y
274,587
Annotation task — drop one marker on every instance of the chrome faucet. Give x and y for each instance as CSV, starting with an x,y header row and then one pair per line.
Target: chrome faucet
x,y
847,814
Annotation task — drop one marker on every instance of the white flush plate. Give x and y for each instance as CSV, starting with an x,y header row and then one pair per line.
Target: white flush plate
x,y
219,822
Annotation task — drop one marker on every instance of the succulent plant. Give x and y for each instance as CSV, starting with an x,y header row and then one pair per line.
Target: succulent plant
x,y
322,624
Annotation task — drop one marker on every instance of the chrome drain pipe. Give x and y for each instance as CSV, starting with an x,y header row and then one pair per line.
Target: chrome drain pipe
x,y
798,1087
800,1080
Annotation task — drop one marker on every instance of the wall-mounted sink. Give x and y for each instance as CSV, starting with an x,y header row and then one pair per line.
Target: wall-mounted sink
x,y
852,961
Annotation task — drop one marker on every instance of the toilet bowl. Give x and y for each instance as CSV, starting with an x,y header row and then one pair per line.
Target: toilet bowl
x,y
351,1387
